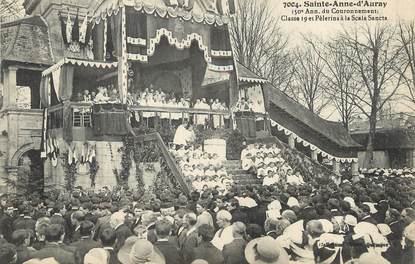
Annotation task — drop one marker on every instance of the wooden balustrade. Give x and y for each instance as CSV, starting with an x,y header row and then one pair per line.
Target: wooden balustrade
x,y
81,113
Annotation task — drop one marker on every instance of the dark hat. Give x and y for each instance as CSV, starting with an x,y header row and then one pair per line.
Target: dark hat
x,y
166,205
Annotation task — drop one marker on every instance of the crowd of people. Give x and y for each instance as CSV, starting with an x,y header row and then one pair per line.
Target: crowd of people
x,y
371,220
201,169
266,161
387,172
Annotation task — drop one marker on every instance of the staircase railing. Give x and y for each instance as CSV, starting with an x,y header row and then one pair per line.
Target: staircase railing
x,y
178,175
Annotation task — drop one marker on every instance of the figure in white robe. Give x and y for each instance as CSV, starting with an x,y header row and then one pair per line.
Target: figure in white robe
x,y
217,119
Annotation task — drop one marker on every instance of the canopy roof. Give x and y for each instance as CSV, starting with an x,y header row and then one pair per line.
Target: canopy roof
x,y
243,73
26,40
327,135
246,75
62,75
201,12
80,62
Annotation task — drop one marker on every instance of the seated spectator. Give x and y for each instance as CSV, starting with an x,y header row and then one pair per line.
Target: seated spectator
x,y
101,96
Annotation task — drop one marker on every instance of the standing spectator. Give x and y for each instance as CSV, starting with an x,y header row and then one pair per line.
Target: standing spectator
x,y
206,250
233,253
6,223
108,238
189,236
204,217
236,212
21,239
408,254
225,233
122,231
54,235
76,218
24,221
169,250
85,243
8,253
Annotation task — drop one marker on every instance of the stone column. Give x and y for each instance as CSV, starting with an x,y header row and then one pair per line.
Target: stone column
x,y
355,168
314,155
336,167
10,88
291,141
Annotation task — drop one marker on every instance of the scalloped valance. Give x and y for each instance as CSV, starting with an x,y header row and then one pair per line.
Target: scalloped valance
x,y
161,11
305,143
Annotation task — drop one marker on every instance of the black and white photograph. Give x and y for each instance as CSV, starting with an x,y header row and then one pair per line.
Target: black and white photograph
x,y
207,131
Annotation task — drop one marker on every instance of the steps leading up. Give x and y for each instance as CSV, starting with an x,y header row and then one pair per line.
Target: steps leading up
x,y
240,176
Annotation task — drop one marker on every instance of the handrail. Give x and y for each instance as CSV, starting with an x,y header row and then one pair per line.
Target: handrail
x,y
172,164
159,109
178,175
178,110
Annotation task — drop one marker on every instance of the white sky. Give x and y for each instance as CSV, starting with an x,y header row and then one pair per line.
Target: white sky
x,y
395,10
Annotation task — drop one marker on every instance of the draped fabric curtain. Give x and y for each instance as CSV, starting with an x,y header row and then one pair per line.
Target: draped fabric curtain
x,y
221,49
98,40
45,87
66,82
220,39
110,119
136,28
67,122
115,26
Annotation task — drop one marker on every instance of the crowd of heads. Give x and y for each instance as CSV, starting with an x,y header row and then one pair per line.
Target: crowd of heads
x,y
371,219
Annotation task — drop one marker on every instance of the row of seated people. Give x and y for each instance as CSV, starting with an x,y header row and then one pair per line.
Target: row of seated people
x,y
201,168
157,98
266,162
195,155
219,183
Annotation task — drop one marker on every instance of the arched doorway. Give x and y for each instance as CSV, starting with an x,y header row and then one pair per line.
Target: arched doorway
x,y
30,177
